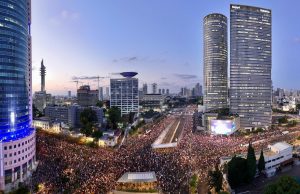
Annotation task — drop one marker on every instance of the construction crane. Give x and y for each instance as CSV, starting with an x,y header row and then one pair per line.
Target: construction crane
x,y
76,81
97,78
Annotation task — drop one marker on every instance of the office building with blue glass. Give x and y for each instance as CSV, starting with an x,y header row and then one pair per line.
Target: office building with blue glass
x,y
17,136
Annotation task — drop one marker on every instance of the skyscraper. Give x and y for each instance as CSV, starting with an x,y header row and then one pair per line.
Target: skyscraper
x,y
124,93
154,88
145,89
17,136
250,65
101,95
215,62
43,74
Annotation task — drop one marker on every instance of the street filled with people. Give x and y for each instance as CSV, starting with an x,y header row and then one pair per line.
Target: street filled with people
x,y
69,167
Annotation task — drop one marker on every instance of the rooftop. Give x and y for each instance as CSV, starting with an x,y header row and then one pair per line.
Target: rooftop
x,y
280,146
130,177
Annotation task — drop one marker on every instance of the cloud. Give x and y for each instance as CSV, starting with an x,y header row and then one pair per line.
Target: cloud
x,y
63,16
297,40
126,59
163,78
132,59
186,76
68,15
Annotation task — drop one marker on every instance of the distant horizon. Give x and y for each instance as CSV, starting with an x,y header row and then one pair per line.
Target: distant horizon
x,y
166,47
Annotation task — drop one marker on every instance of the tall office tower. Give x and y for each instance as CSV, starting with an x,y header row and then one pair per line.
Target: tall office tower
x,y
107,93
43,74
198,90
16,132
101,95
167,91
124,93
154,88
159,91
250,65
29,79
163,91
69,94
215,62
145,89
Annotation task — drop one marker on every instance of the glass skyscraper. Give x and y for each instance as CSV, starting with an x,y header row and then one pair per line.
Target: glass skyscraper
x,y
17,136
215,62
124,93
250,65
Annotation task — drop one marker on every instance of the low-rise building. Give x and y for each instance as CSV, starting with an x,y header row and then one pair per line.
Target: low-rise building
x,y
153,101
86,96
46,124
277,155
70,115
109,139
137,182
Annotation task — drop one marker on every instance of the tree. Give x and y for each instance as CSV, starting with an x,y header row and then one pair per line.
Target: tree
x,y
261,162
194,183
215,179
251,163
285,184
283,120
88,118
298,107
97,134
237,171
131,117
100,104
36,113
114,116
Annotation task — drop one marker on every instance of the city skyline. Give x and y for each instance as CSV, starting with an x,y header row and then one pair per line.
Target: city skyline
x,y
171,48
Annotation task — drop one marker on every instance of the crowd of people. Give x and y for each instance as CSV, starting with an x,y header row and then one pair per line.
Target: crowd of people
x,y
69,167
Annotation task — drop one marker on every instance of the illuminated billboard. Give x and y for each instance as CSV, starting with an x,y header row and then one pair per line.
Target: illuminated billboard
x,y
223,127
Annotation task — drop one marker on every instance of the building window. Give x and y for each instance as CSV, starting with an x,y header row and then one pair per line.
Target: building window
x,y
5,148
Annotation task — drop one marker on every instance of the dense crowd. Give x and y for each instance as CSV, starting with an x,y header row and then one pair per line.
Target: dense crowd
x,y
69,167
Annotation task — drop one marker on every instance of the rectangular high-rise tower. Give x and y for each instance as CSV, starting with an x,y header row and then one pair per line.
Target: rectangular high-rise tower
x,y
250,65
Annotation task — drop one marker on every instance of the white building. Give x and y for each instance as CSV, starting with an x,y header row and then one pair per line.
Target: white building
x,y
277,155
109,139
124,93
46,125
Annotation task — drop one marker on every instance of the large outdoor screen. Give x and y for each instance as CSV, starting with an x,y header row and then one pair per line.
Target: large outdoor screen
x,y
222,127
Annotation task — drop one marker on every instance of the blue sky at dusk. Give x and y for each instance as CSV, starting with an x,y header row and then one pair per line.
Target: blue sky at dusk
x,y
160,39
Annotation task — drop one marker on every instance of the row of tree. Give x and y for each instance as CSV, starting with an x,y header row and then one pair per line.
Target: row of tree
x,y
284,184
241,170
88,120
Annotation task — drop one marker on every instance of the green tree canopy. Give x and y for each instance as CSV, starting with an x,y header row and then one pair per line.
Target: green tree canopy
x,y
114,116
283,120
100,104
251,163
215,179
285,184
88,118
237,171
261,162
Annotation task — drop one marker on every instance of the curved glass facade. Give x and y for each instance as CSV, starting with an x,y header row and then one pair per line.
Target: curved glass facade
x,y
14,84
215,62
